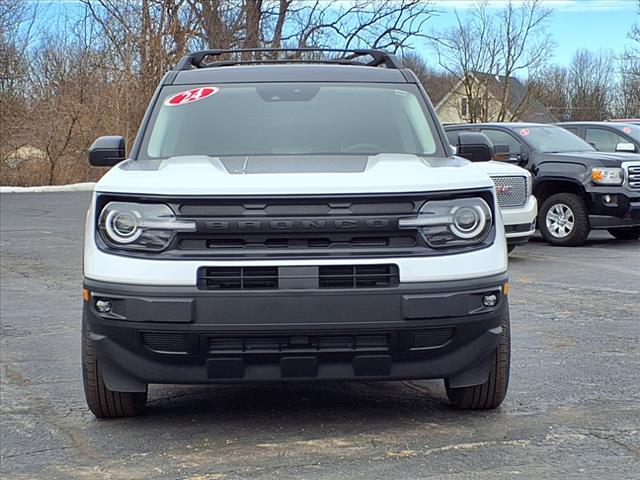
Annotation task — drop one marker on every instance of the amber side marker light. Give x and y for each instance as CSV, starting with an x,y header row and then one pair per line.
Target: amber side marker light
x,y
505,288
86,296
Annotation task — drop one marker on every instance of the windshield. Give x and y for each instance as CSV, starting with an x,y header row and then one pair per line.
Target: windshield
x,y
289,119
551,139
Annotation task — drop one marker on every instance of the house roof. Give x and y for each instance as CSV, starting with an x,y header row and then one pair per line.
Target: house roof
x,y
536,112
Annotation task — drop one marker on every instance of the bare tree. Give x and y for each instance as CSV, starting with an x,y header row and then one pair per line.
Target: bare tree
x,y
590,85
96,70
626,102
17,20
482,47
436,82
583,91
551,87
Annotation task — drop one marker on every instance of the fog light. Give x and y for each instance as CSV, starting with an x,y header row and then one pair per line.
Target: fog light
x,y
607,199
103,306
490,300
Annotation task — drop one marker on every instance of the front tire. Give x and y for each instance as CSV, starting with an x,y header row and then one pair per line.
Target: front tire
x,y
625,233
102,402
564,220
490,394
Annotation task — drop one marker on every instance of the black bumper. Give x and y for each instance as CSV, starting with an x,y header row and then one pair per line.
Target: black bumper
x,y
186,335
519,228
611,207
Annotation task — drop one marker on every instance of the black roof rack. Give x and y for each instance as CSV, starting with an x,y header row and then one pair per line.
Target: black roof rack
x,y
379,57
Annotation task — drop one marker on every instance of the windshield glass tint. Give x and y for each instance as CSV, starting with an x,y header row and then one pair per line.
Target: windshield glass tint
x,y
550,139
290,119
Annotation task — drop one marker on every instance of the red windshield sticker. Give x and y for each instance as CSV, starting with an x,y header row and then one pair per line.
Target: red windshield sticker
x,y
626,130
190,96
524,132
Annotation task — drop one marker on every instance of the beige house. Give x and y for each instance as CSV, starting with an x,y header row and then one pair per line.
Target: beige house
x,y
24,153
455,106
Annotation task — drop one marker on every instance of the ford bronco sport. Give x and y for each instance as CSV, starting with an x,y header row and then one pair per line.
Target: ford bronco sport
x,y
292,220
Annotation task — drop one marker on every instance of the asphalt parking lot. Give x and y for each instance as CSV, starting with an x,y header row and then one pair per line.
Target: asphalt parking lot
x,y
573,408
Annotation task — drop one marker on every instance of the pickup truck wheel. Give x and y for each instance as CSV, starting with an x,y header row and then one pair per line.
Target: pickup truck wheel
x,y
625,233
105,403
489,395
564,220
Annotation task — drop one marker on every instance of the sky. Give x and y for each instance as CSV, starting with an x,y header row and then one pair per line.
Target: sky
x,y
574,24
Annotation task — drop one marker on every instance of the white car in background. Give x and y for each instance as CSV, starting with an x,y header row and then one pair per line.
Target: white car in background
x,y
518,206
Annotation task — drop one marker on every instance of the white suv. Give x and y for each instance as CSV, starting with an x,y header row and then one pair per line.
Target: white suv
x,y
292,222
518,206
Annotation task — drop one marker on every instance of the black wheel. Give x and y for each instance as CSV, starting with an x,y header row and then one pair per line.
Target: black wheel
x,y
105,403
564,220
489,395
625,233
511,248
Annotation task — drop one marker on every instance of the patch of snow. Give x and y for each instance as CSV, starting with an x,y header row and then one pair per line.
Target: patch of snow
x,y
74,187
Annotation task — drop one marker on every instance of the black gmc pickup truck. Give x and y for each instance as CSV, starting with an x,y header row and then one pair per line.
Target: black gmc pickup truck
x,y
578,188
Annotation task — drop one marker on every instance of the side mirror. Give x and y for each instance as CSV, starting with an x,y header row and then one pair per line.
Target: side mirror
x,y
107,151
475,146
522,159
501,153
626,147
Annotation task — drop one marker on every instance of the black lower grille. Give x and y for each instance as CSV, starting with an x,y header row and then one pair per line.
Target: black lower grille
x,y
164,342
359,276
168,342
238,278
273,278
300,343
432,338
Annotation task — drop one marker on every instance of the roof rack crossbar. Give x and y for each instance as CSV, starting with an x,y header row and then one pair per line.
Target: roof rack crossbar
x,y
195,59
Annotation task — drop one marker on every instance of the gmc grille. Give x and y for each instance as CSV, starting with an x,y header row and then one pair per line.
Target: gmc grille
x,y
633,173
511,191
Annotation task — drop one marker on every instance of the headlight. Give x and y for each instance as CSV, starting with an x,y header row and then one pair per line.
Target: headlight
x,y
529,181
607,175
447,223
140,226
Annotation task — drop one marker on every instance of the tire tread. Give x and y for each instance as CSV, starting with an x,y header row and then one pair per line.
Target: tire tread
x,y
490,394
102,402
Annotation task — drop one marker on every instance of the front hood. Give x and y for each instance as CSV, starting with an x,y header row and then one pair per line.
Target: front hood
x,y
605,159
289,175
495,168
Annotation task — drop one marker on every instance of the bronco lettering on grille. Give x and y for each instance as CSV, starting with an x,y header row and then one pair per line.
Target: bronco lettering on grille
x,y
298,225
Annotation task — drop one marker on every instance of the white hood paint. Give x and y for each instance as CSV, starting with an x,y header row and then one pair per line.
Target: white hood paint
x,y
201,175
502,168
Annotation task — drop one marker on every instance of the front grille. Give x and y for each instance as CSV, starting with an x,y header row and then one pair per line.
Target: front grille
x,y
634,177
432,338
298,226
302,242
359,276
511,191
308,277
300,343
165,342
238,278
303,342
